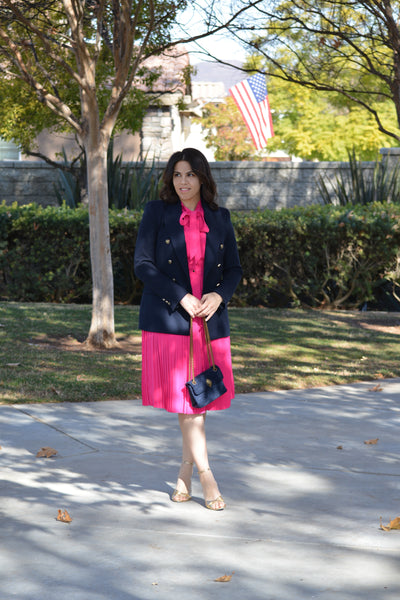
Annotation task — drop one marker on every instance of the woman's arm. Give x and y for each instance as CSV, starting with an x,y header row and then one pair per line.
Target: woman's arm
x,y
231,268
145,263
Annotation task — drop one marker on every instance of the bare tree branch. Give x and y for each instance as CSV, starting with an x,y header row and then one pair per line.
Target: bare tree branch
x,y
44,38
25,74
347,47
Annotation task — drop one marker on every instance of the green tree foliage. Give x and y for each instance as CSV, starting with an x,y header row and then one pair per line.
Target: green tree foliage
x,y
306,123
311,125
347,49
226,132
22,117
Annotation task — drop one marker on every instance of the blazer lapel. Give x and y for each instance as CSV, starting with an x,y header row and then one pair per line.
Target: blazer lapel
x,y
175,230
210,258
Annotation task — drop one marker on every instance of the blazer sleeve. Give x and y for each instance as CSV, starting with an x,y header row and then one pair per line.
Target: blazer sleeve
x,y
232,270
222,267
145,261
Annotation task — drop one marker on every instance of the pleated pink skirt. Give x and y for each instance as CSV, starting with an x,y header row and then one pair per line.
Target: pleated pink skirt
x,y
165,369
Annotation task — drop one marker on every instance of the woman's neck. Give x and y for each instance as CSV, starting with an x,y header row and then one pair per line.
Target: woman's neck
x,y
190,204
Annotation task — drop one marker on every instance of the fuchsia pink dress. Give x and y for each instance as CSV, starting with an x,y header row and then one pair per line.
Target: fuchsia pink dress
x,y
165,357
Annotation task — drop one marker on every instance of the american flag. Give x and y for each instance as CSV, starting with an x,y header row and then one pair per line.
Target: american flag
x,y
251,97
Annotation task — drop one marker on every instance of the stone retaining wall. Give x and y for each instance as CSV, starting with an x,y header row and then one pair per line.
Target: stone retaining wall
x,y
241,185
27,181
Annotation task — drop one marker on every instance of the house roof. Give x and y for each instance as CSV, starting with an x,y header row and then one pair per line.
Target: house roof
x,y
171,64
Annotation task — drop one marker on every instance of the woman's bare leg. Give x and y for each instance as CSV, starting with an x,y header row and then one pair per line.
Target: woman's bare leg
x,y
194,450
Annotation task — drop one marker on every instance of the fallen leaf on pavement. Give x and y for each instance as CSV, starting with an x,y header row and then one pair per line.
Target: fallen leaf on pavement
x,y
395,524
371,442
63,516
224,578
376,388
339,447
46,452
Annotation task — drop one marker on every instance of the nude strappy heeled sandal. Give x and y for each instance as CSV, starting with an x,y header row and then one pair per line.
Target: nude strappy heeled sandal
x,y
177,495
213,504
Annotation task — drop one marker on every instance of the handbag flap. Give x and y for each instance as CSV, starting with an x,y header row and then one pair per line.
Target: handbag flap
x,y
206,380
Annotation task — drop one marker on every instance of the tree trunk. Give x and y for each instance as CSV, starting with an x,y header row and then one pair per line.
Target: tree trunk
x,y
101,333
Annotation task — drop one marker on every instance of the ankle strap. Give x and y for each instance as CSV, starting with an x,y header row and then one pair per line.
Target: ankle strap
x,y
204,471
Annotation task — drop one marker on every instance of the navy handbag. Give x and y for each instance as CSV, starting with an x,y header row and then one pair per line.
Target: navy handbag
x,y
207,386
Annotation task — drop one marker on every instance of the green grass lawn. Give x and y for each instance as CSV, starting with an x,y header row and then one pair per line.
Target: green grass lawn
x,y
42,358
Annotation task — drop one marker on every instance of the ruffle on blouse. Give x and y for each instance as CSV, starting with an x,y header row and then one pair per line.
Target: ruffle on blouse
x,y
193,221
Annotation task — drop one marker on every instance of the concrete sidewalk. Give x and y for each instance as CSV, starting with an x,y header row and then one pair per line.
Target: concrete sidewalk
x,y
302,520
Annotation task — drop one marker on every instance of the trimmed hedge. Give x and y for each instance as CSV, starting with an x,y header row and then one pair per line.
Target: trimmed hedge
x,y
318,256
45,254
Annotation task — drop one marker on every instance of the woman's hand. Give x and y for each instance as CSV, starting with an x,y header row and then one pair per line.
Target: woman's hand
x,y
209,305
191,304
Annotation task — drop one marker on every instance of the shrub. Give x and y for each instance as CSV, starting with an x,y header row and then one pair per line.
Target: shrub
x,y
355,186
130,184
45,254
317,256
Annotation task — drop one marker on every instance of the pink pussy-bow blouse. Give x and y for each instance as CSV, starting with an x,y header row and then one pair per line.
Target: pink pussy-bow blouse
x,y
195,229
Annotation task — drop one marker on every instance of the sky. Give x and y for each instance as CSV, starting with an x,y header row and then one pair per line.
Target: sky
x,y
222,46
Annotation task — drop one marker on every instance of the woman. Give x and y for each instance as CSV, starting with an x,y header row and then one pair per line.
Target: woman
x,y
187,258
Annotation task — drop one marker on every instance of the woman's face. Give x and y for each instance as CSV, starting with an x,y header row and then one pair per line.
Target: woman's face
x,y
187,184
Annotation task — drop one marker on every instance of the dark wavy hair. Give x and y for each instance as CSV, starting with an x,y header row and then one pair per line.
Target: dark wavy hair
x,y
199,165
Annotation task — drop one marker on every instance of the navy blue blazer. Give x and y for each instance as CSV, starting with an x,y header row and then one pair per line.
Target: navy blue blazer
x,y
161,263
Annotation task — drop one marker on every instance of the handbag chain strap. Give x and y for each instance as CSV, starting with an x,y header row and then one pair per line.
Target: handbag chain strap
x,y
210,354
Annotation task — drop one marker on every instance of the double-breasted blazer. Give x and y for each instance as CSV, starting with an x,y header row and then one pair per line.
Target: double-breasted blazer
x,y
161,263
